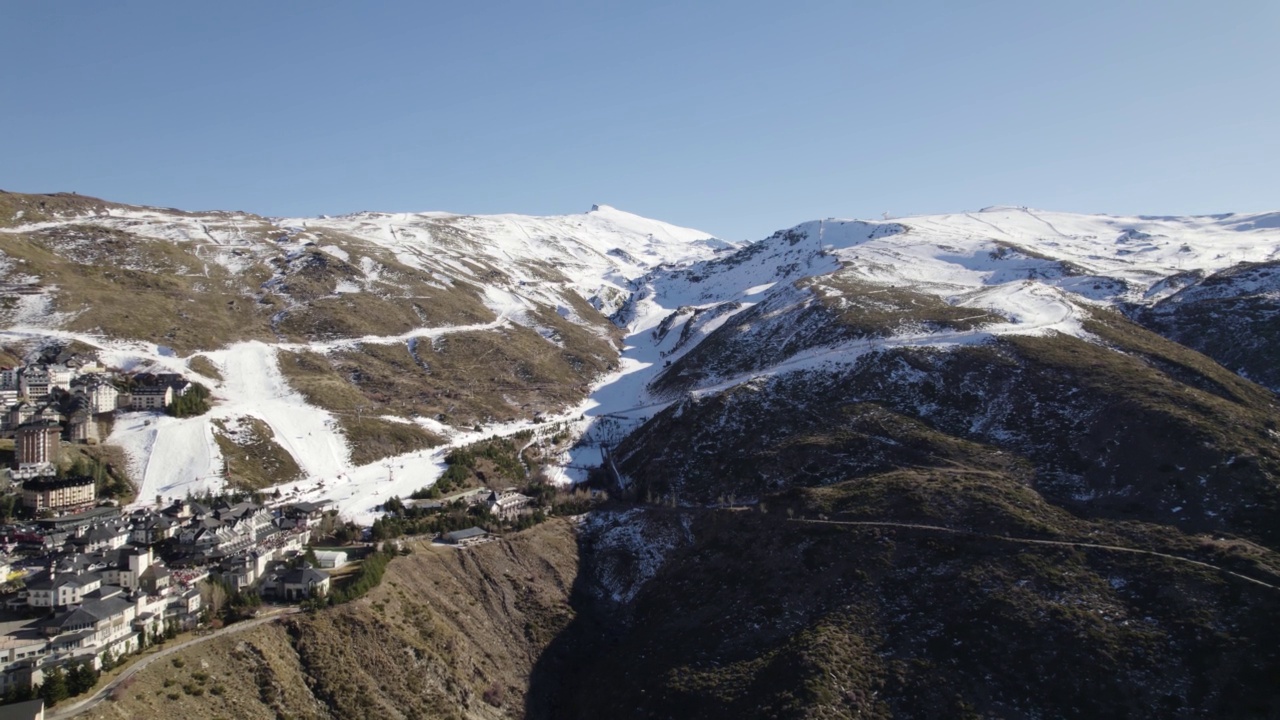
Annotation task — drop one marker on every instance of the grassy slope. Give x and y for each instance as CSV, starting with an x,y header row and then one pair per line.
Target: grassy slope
x,y
253,458
175,306
112,282
205,367
124,285
468,377
401,300
43,208
251,675
1156,432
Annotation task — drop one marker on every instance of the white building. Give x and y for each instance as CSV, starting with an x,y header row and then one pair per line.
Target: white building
x,y
52,589
329,559
103,397
98,623
128,570
33,381
507,504
60,377
151,397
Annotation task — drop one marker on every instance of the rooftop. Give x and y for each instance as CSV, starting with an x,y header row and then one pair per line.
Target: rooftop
x,y
303,576
28,710
465,534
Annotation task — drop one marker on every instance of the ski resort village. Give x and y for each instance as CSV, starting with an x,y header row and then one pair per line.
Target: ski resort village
x,y
93,575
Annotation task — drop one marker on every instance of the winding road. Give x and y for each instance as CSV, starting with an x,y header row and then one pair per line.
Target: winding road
x,y
1033,541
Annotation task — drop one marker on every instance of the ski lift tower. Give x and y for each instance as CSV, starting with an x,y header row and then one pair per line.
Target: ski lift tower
x,y
822,228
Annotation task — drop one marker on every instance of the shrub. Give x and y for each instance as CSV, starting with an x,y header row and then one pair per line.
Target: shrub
x,y
494,694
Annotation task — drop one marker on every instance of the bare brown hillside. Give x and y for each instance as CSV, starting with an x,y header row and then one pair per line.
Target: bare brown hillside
x,y
448,634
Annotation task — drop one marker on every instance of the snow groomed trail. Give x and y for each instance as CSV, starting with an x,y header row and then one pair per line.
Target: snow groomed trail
x,y
254,386
171,457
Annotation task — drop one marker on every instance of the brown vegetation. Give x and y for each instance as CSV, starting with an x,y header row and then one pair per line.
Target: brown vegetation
x,y
252,456
448,634
461,378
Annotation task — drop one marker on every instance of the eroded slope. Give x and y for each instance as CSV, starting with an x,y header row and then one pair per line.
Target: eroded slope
x,y
448,634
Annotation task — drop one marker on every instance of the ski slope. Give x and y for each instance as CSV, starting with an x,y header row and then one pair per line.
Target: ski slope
x,y
1031,270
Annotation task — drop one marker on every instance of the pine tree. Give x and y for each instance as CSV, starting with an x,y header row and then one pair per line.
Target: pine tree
x,y
19,693
75,680
54,689
81,679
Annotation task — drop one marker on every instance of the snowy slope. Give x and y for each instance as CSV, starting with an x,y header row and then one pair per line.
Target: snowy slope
x,y
1027,269
948,254
519,263
1004,270
597,252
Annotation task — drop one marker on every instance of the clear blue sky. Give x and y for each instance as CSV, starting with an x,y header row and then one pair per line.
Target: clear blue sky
x,y
738,118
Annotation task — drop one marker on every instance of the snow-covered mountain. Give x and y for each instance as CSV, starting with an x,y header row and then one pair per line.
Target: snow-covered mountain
x,y
330,334
825,295
434,323
922,281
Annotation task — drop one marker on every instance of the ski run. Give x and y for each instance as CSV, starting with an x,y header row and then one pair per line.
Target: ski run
x,y
1030,271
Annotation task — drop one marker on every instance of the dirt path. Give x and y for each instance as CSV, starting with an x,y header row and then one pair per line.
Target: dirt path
x,y
68,711
1032,541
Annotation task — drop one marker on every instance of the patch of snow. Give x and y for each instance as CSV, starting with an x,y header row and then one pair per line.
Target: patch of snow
x,y
631,547
337,252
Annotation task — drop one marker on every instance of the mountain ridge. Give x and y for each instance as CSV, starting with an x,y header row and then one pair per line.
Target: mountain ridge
x,y
364,290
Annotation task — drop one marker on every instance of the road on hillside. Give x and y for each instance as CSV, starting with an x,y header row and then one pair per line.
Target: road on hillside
x,y
69,711
1033,541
